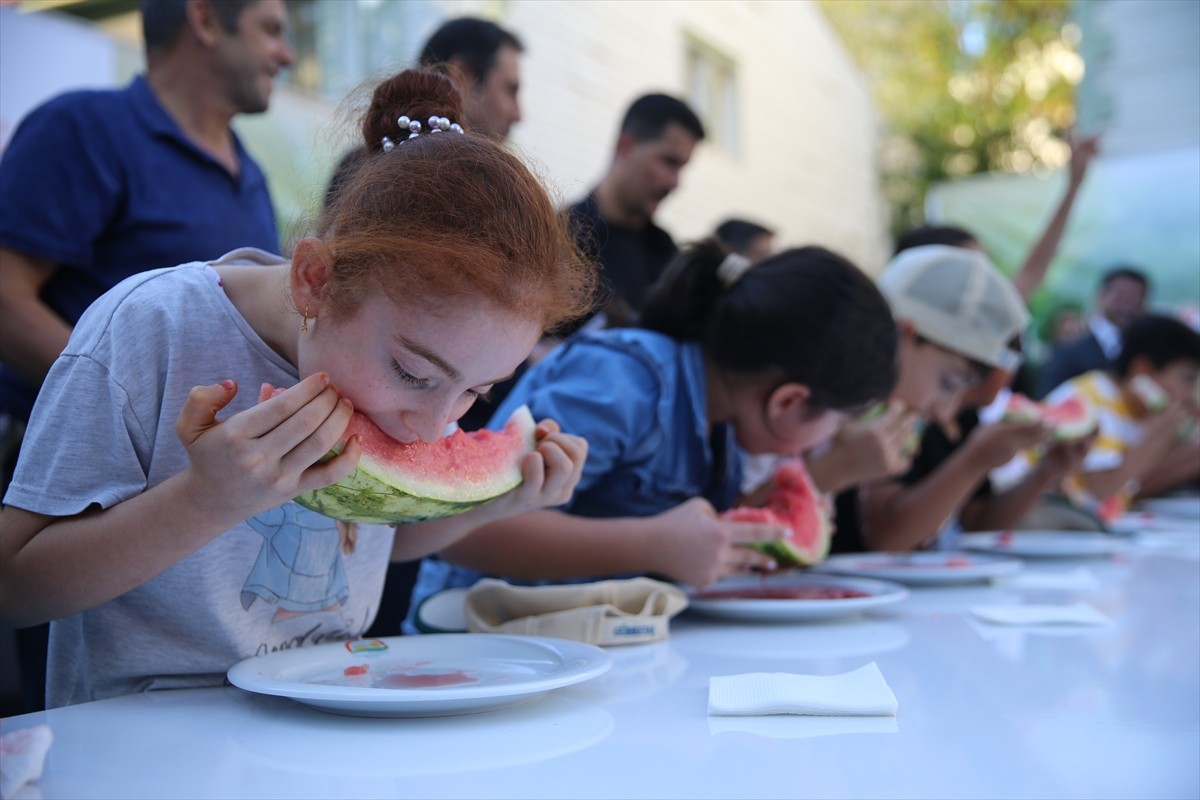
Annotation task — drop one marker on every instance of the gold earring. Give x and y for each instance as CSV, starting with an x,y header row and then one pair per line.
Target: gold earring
x,y
304,320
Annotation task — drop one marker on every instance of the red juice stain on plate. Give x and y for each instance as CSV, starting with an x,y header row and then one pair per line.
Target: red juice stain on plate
x,y
359,669
425,680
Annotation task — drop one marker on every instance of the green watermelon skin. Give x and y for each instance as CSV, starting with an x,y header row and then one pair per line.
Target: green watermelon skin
x,y
795,503
362,498
783,553
396,484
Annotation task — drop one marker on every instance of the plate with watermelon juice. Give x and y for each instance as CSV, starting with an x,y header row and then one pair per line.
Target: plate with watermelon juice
x,y
792,596
421,676
1045,544
915,569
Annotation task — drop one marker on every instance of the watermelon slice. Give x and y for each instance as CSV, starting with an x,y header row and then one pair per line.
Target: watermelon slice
x,y
397,483
794,503
1071,419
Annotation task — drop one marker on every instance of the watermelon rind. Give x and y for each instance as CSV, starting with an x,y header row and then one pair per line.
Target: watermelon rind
x,y
382,494
785,554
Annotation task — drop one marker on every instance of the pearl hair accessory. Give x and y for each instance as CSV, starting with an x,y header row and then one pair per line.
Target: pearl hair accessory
x,y
435,124
732,269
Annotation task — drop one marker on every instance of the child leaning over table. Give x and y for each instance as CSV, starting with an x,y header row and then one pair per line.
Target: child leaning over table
x,y
731,358
163,541
1146,409
958,316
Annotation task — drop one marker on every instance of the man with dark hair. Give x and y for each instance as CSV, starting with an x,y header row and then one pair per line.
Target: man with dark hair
x,y
614,224
484,60
746,238
616,220
99,185
1121,299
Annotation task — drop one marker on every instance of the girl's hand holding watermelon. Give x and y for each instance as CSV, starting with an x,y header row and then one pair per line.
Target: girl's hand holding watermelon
x,y
692,545
549,474
264,456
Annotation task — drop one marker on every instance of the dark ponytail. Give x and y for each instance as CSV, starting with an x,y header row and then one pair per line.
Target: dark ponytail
x,y
807,315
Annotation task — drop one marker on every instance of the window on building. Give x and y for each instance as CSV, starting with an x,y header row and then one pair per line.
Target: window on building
x,y
339,43
712,92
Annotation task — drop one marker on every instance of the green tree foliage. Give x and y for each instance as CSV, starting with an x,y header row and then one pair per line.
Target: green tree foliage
x,y
963,86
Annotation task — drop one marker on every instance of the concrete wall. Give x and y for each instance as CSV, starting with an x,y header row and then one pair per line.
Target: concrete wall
x,y
806,164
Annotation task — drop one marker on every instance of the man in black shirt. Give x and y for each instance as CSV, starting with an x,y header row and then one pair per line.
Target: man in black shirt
x,y
614,225
615,222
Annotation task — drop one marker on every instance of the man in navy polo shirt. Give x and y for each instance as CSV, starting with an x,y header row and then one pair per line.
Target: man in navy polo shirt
x,y
96,186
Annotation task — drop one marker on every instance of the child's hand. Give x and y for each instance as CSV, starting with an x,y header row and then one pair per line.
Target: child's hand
x,y
550,474
266,455
992,446
1063,458
881,446
1164,426
693,546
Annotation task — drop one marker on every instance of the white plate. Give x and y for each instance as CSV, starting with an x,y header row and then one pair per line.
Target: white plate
x,y
1185,507
773,610
1044,544
921,568
462,673
1148,521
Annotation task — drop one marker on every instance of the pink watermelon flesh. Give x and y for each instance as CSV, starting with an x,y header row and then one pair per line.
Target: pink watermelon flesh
x,y
397,483
1071,419
1021,409
793,503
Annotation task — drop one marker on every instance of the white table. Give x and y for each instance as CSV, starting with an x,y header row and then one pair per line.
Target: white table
x,y
984,712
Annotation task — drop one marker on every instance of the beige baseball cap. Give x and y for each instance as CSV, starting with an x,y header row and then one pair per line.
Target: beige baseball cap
x,y
956,298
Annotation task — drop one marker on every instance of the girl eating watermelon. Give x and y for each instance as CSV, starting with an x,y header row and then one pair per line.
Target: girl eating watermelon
x,y
166,547
730,359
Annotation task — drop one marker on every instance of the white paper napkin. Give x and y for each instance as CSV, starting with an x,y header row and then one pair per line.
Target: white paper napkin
x,y
862,692
1080,579
22,756
1035,614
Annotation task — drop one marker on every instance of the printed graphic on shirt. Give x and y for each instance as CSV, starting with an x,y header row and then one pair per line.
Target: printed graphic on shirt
x,y
299,568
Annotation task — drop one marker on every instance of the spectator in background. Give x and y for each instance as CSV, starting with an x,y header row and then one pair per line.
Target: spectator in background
x,y
99,185
484,60
1121,299
746,238
1065,326
616,220
614,224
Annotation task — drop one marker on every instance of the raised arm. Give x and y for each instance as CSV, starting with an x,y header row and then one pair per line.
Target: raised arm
x,y
1031,274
